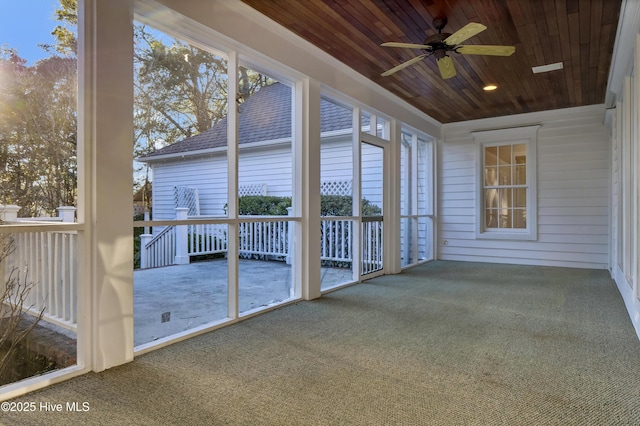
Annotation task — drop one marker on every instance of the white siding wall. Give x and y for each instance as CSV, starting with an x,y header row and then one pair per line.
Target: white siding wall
x,y
208,175
336,159
573,190
268,165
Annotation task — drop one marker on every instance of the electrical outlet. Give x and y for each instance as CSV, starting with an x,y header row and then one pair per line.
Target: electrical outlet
x,y
165,317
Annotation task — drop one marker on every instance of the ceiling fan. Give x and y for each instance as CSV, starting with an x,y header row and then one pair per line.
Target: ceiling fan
x,y
439,44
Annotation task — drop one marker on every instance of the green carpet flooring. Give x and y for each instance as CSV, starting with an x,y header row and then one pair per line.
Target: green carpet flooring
x,y
446,343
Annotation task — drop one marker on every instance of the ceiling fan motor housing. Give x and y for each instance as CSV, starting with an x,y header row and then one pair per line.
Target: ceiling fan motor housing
x,y
436,41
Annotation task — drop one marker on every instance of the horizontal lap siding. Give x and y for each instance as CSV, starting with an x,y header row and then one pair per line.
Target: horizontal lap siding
x,y
573,190
208,175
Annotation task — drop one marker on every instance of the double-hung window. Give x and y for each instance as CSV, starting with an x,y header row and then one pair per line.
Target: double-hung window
x,y
506,184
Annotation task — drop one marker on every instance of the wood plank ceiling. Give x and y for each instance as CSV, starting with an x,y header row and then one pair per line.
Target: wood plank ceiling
x,y
578,33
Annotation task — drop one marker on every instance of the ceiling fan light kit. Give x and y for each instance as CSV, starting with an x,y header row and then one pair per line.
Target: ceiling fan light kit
x,y
441,43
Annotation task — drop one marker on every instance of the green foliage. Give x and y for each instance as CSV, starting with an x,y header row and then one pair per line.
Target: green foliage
x,y
137,231
330,205
342,205
263,205
66,33
369,209
37,133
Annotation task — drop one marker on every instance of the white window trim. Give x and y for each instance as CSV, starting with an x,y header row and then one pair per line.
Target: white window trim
x,y
520,135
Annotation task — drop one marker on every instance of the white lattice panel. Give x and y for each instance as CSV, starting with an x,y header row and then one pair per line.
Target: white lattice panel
x,y
254,189
335,187
184,196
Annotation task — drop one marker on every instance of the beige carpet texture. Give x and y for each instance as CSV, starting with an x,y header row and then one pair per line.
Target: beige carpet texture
x,y
445,343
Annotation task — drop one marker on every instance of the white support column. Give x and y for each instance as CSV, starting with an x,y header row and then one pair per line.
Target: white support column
x,y
232,178
307,187
106,82
356,251
392,194
182,238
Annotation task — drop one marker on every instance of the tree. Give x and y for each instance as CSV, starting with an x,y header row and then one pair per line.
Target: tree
x,y
38,133
180,91
65,33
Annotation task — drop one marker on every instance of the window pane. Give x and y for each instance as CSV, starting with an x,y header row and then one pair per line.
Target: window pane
x,y
504,175
505,198
38,174
264,270
371,179
505,218
425,232
180,280
383,128
519,218
336,252
491,176
423,179
520,195
365,121
407,243
265,188
491,198
336,193
491,218
406,181
520,153
39,275
504,154
521,175
491,155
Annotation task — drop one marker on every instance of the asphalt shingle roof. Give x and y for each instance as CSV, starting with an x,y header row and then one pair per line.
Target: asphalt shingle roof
x,y
264,116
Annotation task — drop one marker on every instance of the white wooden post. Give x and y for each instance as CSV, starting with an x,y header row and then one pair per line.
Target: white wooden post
x,y
146,218
289,236
9,212
144,240
67,213
182,237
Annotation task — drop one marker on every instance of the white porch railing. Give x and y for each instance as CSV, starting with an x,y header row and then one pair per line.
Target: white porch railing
x,y
263,239
48,259
159,250
206,239
371,245
176,244
336,240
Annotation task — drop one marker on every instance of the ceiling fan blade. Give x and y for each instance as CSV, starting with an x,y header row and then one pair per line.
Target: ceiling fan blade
x,y
464,33
404,65
486,50
446,67
407,45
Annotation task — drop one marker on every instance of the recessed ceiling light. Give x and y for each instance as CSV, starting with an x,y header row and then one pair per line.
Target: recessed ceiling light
x,y
547,68
489,87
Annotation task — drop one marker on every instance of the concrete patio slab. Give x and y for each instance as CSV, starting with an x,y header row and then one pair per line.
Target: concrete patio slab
x,y
177,298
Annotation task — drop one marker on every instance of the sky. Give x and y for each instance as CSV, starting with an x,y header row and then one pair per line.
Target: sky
x,y
26,23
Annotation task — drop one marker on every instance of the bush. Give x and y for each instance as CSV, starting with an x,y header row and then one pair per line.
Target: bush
x,y
136,241
342,205
263,205
15,321
330,205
